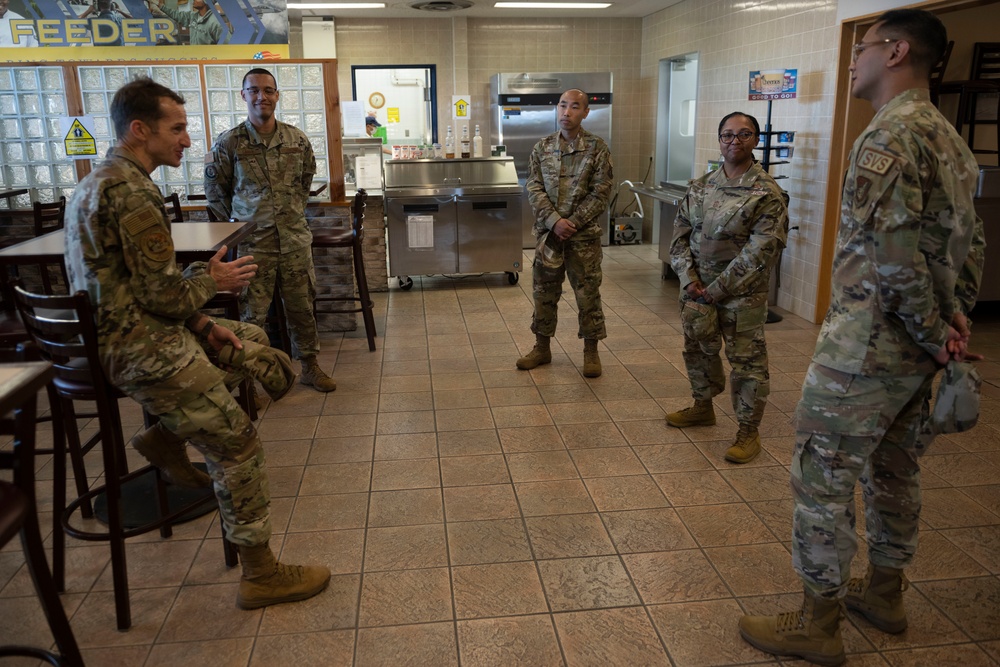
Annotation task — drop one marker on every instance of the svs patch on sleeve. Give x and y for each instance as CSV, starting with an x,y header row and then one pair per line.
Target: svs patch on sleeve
x,y
876,161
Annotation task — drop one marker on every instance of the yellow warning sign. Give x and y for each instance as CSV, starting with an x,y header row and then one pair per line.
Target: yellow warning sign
x,y
79,142
461,108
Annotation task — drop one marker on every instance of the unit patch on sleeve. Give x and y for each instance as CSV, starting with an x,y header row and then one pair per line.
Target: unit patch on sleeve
x,y
157,245
876,161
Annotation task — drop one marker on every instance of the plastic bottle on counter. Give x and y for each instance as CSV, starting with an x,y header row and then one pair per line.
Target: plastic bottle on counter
x,y
465,141
477,144
438,151
449,145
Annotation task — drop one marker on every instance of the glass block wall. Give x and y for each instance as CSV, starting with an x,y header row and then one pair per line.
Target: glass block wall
x,y
302,104
32,99
31,145
98,86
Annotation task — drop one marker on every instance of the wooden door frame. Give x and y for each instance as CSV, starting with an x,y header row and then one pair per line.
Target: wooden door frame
x,y
851,116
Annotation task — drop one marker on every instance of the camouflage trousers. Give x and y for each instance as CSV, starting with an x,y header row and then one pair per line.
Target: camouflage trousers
x,y
741,326
294,275
849,429
196,404
581,263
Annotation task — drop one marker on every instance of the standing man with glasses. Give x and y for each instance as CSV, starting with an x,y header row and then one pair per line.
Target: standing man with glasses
x,y
569,183
261,171
906,274
729,230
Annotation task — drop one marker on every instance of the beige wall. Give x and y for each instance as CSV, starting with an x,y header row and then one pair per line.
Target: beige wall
x,y
731,41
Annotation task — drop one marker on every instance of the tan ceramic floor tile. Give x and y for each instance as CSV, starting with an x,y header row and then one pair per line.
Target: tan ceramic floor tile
x,y
405,446
586,583
468,443
960,655
530,439
636,531
151,565
491,541
755,569
981,543
776,515
512,396
470,503
987,495
587,436
464,419
327,648
406,401
568,535
405,548
674,576
336,478
617,391
607,461
973,604
339,550
420,382
462,381
950,508
703,633
527,640
724,525
405,422
205,612
556,497
938,558
961,469
290,428
567,393
454,399
405,596
405,507
341,450
517,416
498,589
345,425
609,637
625,493
696,487
578,413
541,466
423,644
333,512
651,432
765,483
472,470
227,651
405,474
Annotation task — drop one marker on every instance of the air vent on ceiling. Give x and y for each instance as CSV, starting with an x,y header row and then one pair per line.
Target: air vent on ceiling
x,y
441,5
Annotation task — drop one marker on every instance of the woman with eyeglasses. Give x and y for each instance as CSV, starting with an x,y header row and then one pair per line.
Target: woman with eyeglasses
x,y
728,232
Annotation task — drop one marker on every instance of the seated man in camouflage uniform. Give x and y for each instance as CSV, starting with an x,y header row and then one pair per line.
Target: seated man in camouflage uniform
x,y
153,340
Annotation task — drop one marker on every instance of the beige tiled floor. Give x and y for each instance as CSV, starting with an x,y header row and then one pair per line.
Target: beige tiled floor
x,y
474,514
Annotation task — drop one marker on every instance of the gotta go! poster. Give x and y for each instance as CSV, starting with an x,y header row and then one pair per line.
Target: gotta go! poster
x,y
66,30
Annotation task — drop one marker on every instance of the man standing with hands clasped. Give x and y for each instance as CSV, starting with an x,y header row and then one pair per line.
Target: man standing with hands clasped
x,y
906,273
569,184
261,170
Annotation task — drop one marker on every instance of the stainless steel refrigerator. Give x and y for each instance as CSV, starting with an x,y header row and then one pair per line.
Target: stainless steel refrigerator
x,y
523,110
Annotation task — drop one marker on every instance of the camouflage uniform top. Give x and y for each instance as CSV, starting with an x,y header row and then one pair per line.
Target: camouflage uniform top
x,y
910,246
267,182
572,181
119,249
728,232
202,29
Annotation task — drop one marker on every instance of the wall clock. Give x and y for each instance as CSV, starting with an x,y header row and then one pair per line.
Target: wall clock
x,y
377,100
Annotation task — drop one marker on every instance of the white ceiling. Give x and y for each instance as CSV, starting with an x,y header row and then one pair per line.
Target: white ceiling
x,y
400,9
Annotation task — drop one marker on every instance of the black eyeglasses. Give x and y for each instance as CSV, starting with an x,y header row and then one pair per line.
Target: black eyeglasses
x,y
743,135
268,92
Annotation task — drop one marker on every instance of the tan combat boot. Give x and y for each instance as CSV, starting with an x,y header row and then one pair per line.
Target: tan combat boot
x,y
747,445
168,452
812,633
879,598
591,360
540,354
265,581
700,414
313,376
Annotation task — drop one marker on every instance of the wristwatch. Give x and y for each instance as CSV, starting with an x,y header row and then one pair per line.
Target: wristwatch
x,y
207,329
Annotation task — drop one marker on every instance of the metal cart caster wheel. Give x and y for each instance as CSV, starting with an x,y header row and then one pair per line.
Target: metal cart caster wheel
x,y
405,282
513,277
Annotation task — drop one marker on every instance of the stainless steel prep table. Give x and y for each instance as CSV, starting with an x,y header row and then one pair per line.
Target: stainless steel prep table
x,y
453,216
668,195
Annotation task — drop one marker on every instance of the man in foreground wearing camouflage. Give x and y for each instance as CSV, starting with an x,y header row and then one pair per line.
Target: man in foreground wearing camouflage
x,y
261,170
728,232
906,273
155,344
569,184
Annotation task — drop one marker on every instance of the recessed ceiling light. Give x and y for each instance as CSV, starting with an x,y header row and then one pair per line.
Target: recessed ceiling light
x,y
336,5
552,5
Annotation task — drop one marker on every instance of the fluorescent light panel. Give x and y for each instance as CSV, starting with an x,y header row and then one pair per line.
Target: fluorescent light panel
x,y
551,5
336,5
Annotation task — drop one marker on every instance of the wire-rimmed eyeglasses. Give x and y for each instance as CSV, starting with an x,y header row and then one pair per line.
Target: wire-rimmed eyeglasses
x,y
268,92
743,135
861,46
